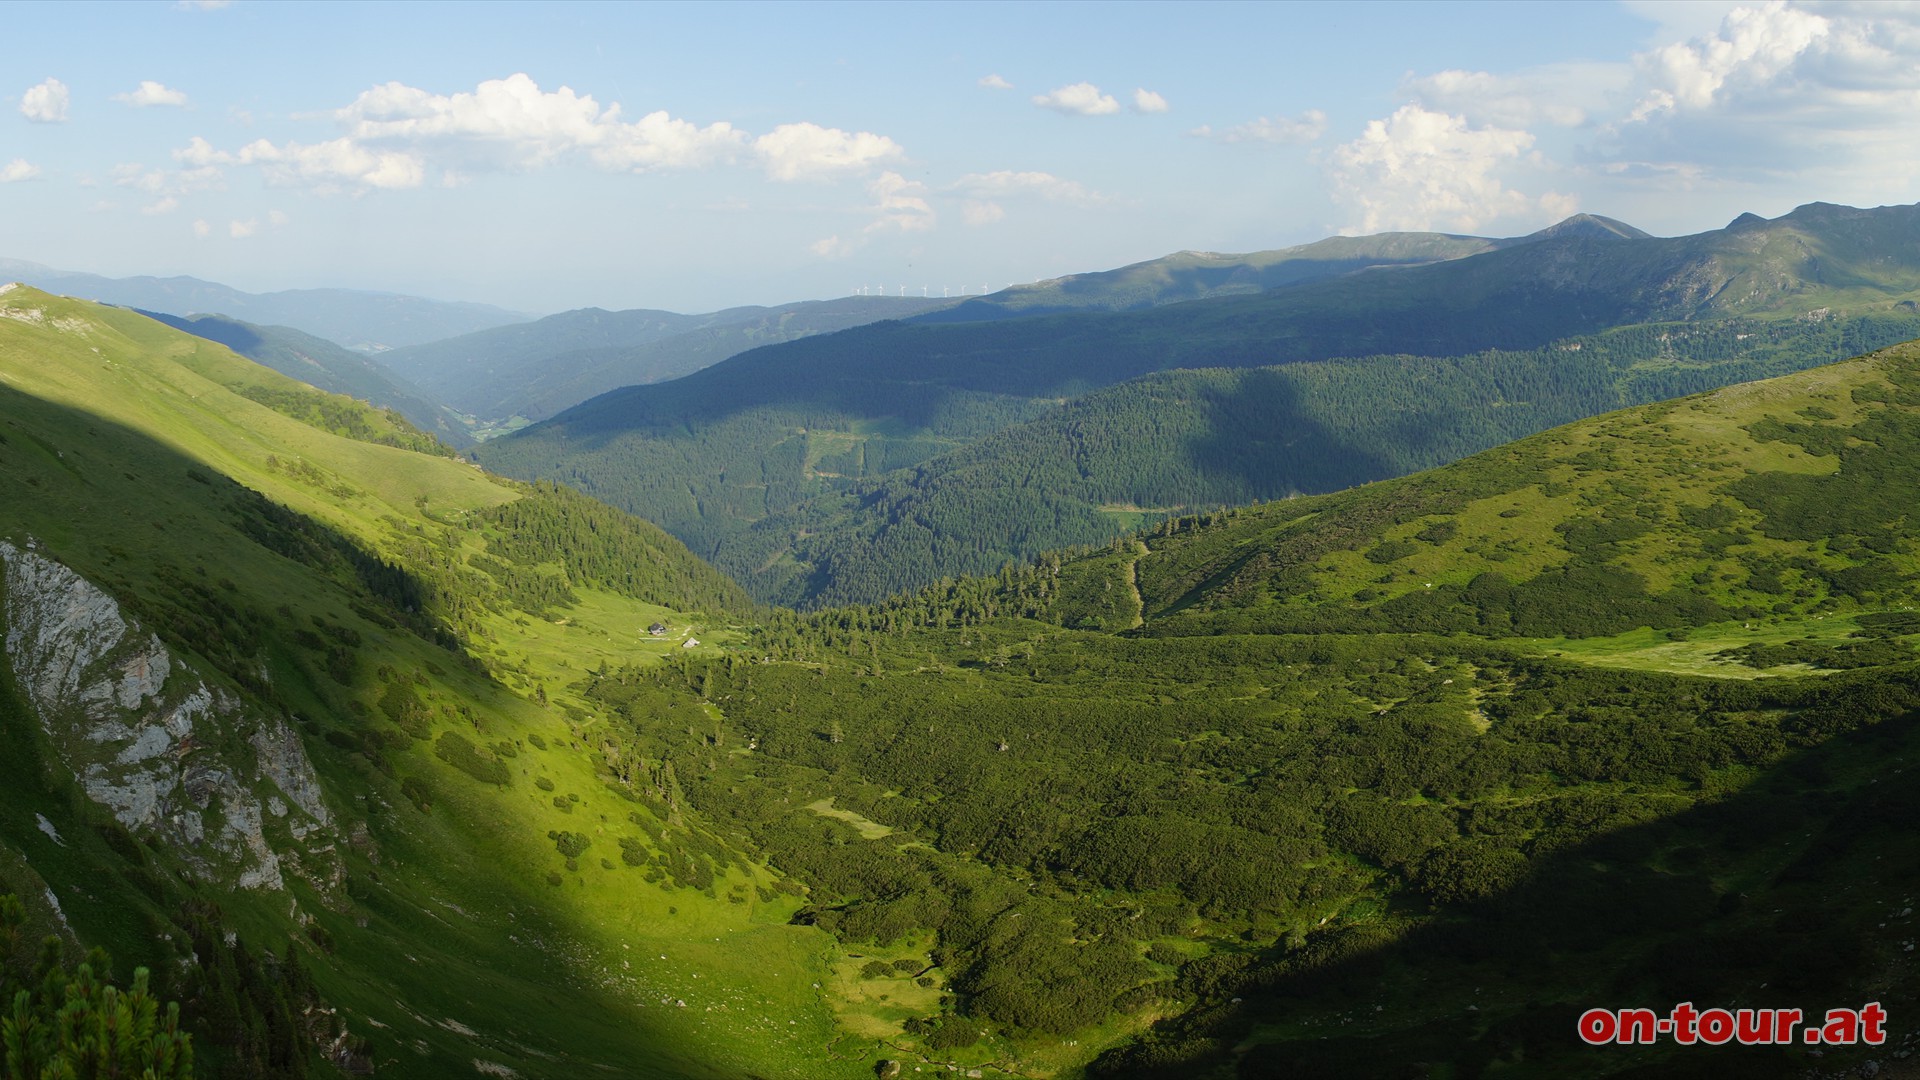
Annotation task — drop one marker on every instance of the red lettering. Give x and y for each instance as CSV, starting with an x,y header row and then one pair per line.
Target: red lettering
x,y
1597,1026
1842,1027
1873,1021
1683,1020
1750,1027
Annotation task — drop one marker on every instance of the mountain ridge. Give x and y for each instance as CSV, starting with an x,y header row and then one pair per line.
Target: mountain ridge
x,y
367,321
750,439
536,369
300,355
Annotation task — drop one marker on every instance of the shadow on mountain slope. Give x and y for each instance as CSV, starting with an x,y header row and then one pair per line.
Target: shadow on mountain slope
x,y
237,584
1795,892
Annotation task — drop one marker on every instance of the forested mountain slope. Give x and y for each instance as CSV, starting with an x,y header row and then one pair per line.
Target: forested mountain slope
x,y
536,369
1431,765
745,445
1170,442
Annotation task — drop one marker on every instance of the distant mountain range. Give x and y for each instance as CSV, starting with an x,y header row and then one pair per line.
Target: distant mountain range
x,y
1194,275
361,320
758,438
538,368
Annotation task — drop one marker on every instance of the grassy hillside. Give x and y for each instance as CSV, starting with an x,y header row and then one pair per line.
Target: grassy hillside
x,y
327,366
419,620
536,369
1769,503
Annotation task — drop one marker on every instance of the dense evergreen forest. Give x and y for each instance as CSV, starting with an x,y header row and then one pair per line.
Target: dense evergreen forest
x,y
815,507
1251,756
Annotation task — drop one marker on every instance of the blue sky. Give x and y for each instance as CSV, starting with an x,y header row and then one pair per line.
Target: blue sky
x,y
764,153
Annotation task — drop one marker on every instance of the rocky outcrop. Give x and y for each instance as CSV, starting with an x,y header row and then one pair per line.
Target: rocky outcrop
x,y
186,765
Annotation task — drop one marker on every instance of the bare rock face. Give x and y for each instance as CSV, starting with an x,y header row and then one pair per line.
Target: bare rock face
x,y
188,766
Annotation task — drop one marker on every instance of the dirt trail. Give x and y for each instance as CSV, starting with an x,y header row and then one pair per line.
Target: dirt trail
x,y
1133,583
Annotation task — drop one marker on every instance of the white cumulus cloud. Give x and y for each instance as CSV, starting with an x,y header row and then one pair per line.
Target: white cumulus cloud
x,y
977,212
833,247
17,170
1079,99
1754,46
46,103
395,136
995,82
150,93
1556,95
512,123
1305,128
167,186
201,228
1420,169
1146,101
336,165
240,230
1006,183
1823,93
802,151
982,195
899,203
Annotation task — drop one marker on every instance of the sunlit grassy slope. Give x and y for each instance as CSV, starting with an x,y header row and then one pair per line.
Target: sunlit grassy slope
x,y
1668,536
461,935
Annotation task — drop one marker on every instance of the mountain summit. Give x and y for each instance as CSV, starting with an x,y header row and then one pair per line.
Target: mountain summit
x,y
1588,225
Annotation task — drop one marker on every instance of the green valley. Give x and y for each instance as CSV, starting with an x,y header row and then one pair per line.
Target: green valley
x,y
1178,803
